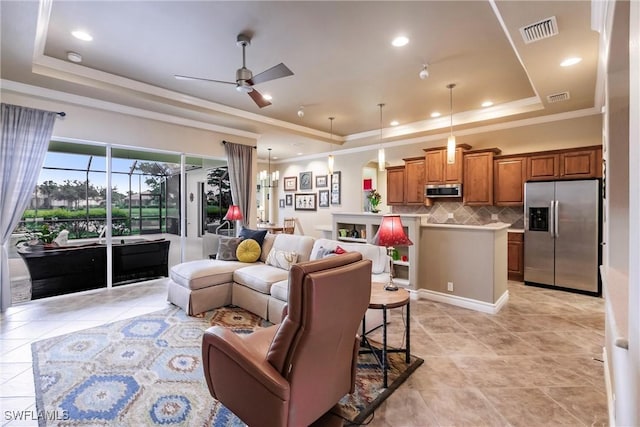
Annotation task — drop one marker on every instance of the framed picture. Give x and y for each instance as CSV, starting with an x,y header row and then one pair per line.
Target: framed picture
x,y
305,201
288,198
335,188
290,183
281,203
323,198
321,181
306,182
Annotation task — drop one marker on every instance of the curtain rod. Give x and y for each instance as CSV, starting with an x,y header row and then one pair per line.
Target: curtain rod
x,y
253,146
61,114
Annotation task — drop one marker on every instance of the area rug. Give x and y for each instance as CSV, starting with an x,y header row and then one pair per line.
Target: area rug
x,y
147,371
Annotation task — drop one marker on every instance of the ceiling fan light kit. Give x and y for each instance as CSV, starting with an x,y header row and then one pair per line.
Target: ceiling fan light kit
x,y
245,79
424,73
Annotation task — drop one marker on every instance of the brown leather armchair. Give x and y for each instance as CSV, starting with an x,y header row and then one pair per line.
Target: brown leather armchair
x,y
292,373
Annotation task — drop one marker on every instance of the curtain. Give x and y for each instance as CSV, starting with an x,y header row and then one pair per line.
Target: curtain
x,y
240,161
24,142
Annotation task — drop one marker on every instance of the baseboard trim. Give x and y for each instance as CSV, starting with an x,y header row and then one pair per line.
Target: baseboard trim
x,y
469,303
608,388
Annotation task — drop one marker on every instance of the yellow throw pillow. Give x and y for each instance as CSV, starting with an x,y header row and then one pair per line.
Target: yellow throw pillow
x,y
248,251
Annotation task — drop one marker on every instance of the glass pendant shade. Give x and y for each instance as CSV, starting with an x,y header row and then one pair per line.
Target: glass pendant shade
x,y
451,150
381,160
451,142
330,164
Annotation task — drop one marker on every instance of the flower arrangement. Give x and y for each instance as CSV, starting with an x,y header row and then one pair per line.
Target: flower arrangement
x,y
374,199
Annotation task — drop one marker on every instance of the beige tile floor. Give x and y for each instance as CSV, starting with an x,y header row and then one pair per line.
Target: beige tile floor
x,y
535,363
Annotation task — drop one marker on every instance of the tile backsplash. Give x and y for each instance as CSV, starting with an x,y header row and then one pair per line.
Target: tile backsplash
x,y
439,213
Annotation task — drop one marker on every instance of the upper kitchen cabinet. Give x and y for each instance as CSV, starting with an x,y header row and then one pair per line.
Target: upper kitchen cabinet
x,y
395,185
581,163
438,171
565,164
509,174
414,178
543,166
477,189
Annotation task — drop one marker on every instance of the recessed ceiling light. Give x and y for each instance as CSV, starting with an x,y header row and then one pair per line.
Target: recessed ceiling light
x,y
74,57
267,97
435,114
394,123
487,104
570,61
82,35
299,154
275,157
400,41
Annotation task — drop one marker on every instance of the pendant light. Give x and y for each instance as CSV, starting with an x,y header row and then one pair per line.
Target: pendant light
x,y
272,178
330,158
381,159
451,142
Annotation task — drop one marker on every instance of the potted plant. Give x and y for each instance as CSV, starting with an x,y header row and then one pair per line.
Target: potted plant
x,y
374,200
41,236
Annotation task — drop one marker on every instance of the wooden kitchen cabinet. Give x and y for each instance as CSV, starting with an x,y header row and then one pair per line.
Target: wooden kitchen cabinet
x,y
477,188
395,185
579,164
515,256
434,161
565,164
438,171
509,175
414,179
543,166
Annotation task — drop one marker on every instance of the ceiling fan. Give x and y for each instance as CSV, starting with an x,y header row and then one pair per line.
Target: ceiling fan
x,y
245,80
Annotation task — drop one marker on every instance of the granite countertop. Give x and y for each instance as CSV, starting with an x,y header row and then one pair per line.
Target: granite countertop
x,y
493,226
516,230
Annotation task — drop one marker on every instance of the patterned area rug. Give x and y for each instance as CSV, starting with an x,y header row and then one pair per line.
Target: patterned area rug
x,y
147,371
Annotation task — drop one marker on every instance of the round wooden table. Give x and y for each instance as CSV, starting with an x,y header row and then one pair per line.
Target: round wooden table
x,y
382,299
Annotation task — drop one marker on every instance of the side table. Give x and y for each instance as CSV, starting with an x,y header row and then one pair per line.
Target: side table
x,y
384,300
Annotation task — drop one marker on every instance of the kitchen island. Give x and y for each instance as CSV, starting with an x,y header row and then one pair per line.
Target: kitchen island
x,y
464,265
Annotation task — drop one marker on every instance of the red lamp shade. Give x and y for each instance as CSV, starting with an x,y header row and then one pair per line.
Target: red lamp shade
x,y
233,214
391,233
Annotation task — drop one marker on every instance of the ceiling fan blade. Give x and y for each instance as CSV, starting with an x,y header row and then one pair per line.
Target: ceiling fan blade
x,y
272,73
179,77
258,99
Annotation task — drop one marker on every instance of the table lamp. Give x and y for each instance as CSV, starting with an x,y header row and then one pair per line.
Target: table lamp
x,y
391,234
233,214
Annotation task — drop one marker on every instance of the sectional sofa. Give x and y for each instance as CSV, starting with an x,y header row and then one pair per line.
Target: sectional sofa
x,y
260,287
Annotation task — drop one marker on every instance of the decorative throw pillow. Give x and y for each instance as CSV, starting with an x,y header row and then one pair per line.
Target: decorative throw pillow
x,y
227,247
324,252
257,235
282,259
340,250
248,251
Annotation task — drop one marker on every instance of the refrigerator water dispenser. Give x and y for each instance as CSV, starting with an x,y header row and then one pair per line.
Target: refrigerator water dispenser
x,y
538,219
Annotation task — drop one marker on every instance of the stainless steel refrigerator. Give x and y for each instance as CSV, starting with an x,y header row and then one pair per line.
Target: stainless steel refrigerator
x,y
562,234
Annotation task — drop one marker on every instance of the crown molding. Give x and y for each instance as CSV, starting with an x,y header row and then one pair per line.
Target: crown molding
x,y
55,95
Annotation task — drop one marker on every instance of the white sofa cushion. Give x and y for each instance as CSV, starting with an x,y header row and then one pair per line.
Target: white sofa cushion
x,y
203,273
280,290
377,254
293,242
259,277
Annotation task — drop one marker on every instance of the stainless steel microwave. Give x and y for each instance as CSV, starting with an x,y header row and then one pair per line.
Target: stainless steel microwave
x,y
443,190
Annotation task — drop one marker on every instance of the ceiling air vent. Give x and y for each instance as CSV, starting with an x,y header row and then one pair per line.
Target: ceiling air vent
x,y
558,97
539,30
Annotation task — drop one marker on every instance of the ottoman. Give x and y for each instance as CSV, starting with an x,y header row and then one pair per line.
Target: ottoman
x,y
202,285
